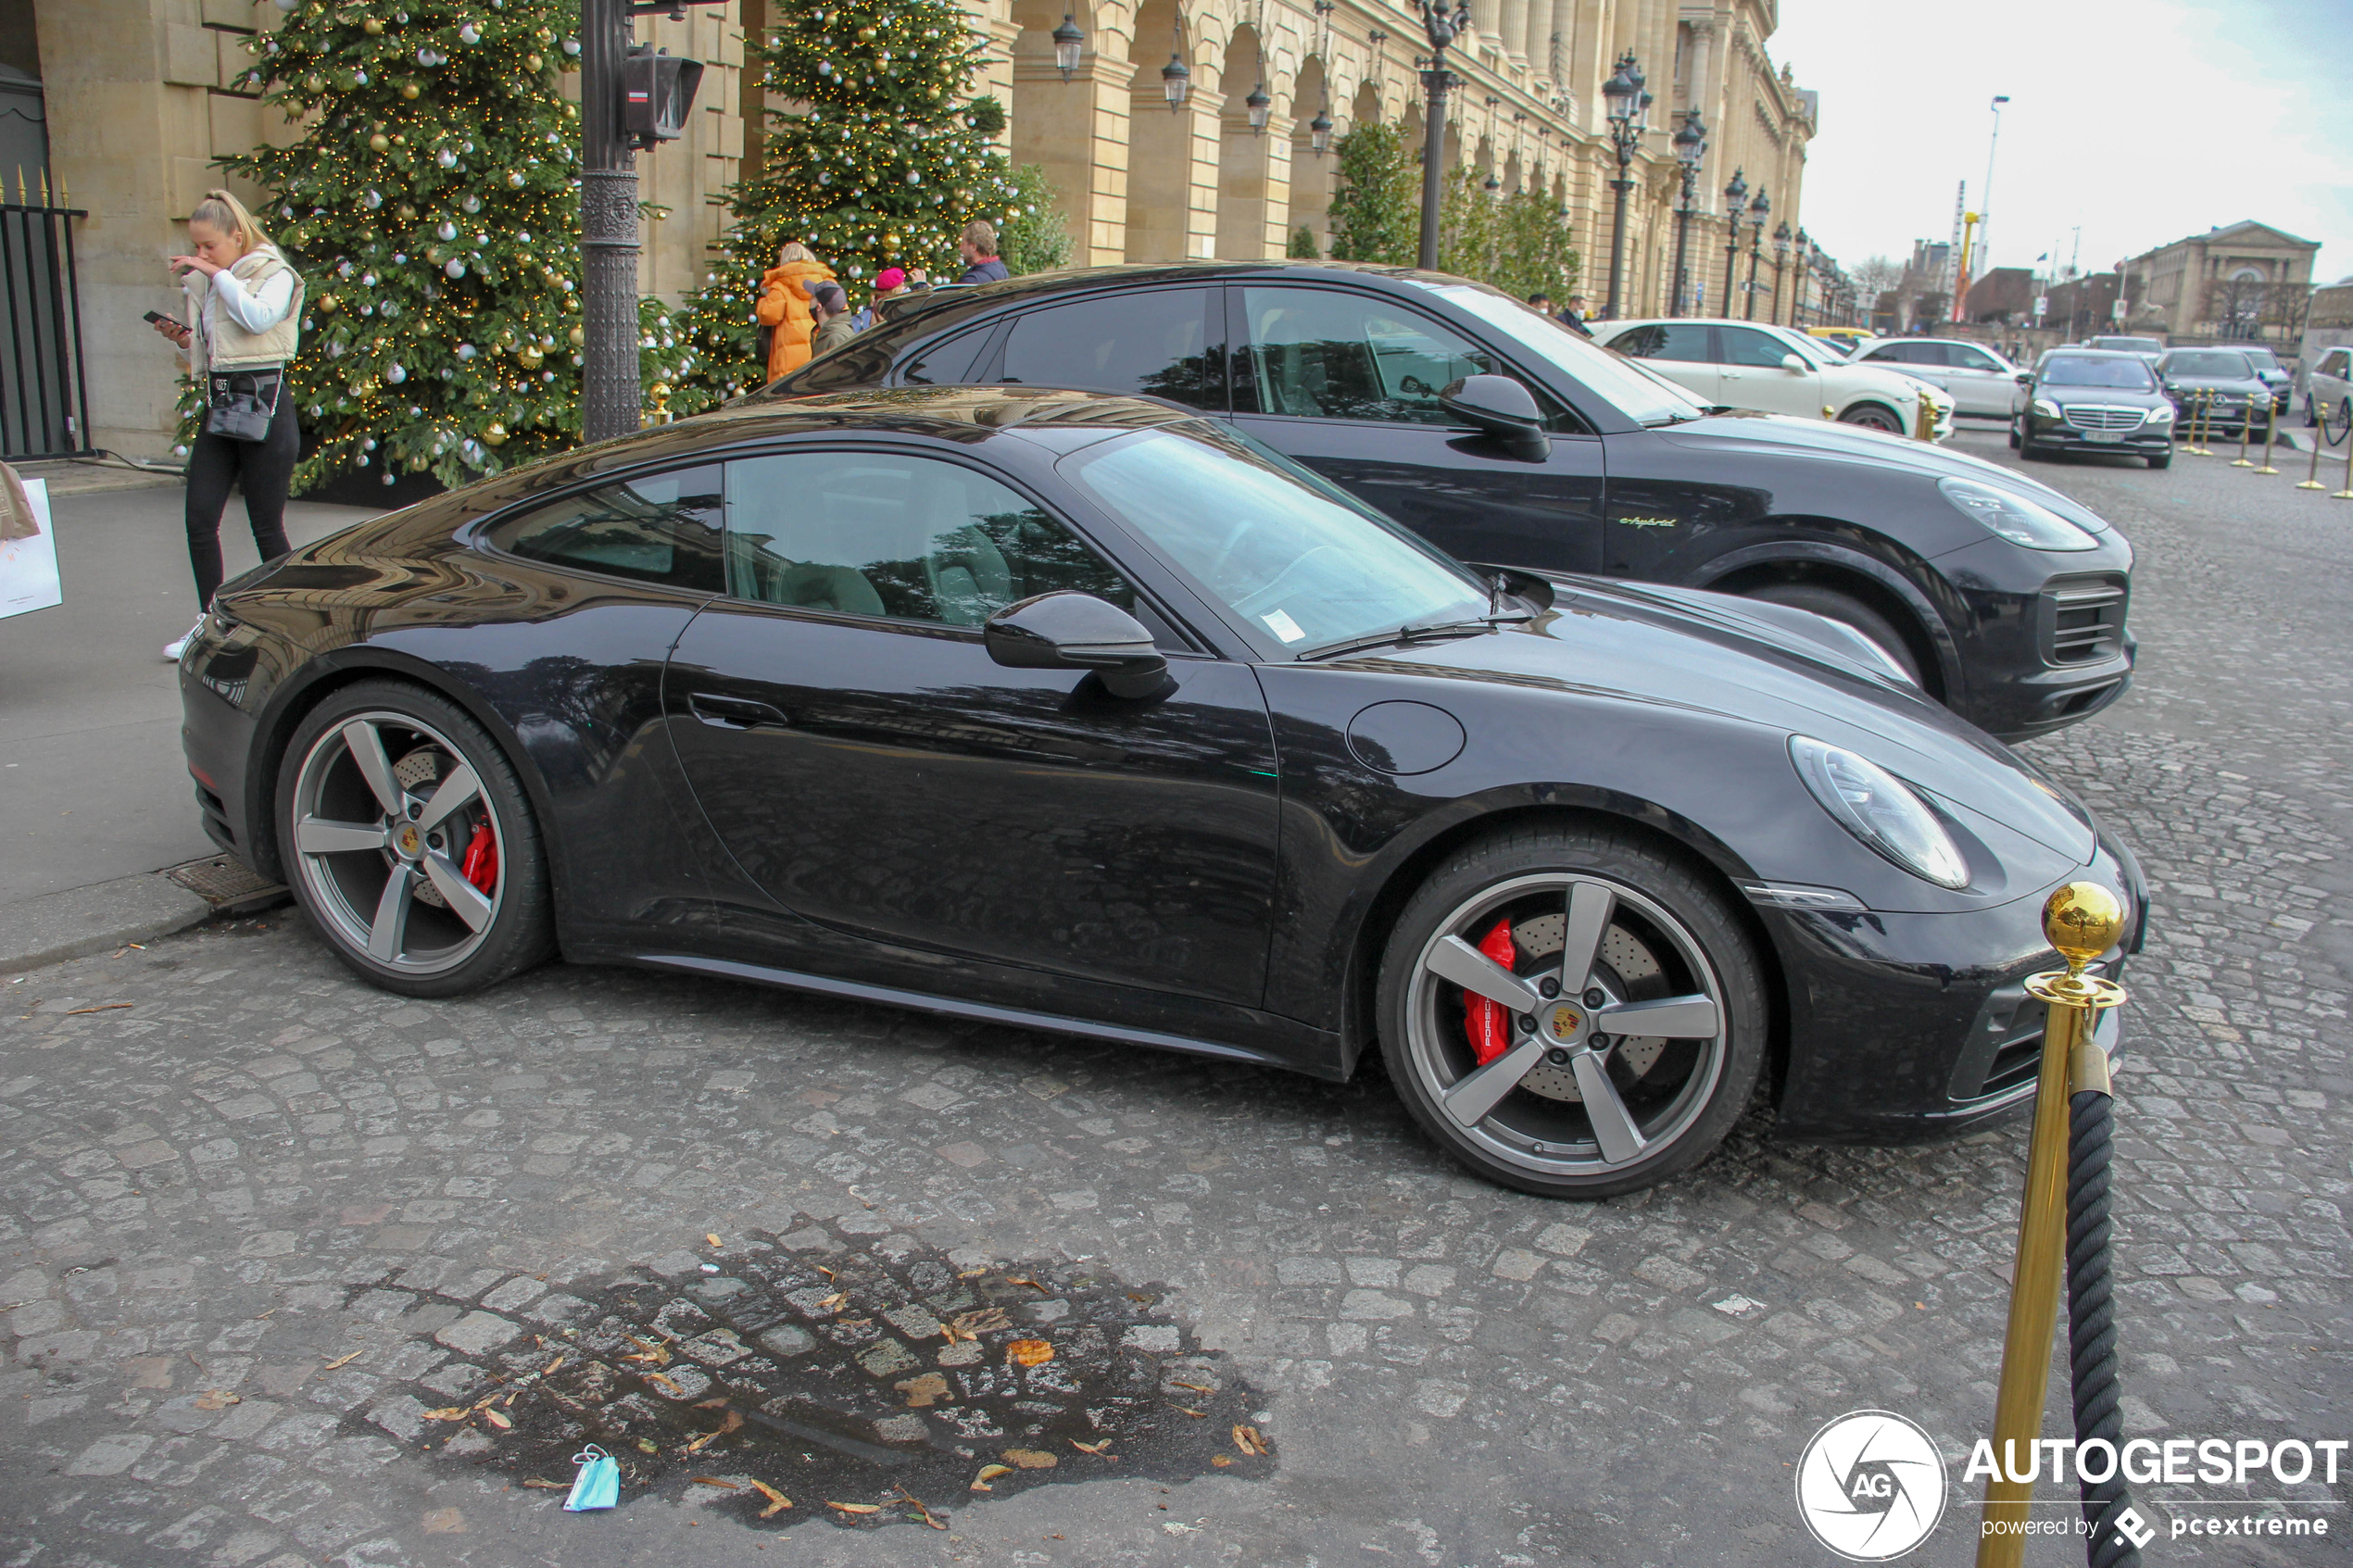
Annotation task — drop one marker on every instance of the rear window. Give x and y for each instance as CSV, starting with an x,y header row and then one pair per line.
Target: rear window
x,y
2208,362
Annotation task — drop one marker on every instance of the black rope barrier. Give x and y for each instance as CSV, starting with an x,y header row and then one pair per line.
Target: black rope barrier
x,y
2091,1320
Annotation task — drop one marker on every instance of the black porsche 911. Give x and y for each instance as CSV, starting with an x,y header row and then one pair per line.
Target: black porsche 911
x,y
1087,714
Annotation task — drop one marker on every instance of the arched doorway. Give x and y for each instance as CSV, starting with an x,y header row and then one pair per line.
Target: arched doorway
x,y
1161,142
1058,124
1254,163
1311,173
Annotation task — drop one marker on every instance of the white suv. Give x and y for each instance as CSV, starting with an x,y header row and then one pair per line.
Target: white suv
x,y
2328,391
1774,371
1981,383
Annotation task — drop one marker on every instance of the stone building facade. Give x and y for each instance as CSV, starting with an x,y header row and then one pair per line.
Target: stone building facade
x,y
2246,283
140,97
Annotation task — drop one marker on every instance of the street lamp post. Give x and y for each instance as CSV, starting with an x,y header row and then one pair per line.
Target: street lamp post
x,y
1690,146
1443,22
1735,203
1799,290
1781,265
1628,109
1758,210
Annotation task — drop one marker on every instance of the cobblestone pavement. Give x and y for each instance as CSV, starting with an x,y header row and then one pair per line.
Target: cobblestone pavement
x,y
359,1216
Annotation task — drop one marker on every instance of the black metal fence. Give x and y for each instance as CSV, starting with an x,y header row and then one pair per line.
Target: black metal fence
x,y
44,398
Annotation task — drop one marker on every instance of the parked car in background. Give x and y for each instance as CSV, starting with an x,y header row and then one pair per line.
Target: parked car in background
x,y
1843,339
2005,598
1774,371
2328,391
2278,377
2220,385
1981,383
2148,348
2084,399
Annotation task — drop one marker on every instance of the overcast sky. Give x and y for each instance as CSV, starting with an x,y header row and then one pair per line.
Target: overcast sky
x,y
2141,122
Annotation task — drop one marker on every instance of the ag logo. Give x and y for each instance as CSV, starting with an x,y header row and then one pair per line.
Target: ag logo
x,y
1871,1486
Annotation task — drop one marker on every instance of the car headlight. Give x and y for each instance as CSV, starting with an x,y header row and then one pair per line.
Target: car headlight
x,y
2015,517
2044,408
2162,415
1876,806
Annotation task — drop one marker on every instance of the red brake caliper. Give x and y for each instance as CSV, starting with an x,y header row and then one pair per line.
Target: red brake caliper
x,y
1489,1023
481,864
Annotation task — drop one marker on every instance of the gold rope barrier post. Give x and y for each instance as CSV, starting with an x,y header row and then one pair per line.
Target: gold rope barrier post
x,y
2246,428
2197,411
2082,920
2345,494
2271,434
2311,480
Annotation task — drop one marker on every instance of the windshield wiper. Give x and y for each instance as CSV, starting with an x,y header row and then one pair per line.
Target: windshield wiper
x,y
1436,632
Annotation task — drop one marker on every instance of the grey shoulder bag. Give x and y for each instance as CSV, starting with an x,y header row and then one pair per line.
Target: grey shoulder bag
x,y
243,402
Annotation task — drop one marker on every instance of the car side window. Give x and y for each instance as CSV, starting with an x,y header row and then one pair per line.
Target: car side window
x,y
661,528
1684,342
1323,354
1747,346
944,363
1150,340
2337,365
911,538
1965,358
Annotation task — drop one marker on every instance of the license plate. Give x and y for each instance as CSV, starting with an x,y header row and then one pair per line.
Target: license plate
x,y
2103,436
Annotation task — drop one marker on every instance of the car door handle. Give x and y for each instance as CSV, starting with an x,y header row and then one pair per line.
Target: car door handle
x,y
733,712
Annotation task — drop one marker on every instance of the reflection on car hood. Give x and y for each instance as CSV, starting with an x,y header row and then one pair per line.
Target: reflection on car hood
x,y
1818,439
2217,384
1707,653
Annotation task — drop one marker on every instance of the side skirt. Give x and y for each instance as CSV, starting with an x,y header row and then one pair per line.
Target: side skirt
x,y
1019,1018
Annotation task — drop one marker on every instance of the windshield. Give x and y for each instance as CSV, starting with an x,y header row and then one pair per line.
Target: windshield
x,y
2207,362
1283,553
2263,359
1812,348
1641,396
2126,375
2129,344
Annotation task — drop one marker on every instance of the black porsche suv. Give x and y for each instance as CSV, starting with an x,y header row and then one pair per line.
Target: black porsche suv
x,y
1999,595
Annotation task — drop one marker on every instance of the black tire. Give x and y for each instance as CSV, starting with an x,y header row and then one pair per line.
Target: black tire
x,y
1847,610
429,754
2312,414
1874,416
2334,428
2014,443
1667,935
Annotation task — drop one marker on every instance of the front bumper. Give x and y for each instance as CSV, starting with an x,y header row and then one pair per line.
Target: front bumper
x,y
2142,441
1905,1027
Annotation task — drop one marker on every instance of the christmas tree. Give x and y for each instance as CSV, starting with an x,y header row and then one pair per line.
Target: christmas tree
x,y
884,168
432,207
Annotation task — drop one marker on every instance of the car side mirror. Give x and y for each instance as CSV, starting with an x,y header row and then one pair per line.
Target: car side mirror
x,y
2026,378
1793,362
1072,631
1502,409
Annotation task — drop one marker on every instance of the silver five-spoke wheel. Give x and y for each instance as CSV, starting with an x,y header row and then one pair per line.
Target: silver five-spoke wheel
x,y
397,846
1574,1012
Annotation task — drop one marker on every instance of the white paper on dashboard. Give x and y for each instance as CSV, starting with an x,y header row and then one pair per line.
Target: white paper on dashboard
x,y
29,566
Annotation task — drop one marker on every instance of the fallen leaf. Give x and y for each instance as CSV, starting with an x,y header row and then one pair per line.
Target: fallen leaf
x,y
712,1239
545,1486
1025,1279
549,1370
832,1302
1196,1387
971,1274
499,1419
855,1507
923,1392
989,1472
1091,1448
735,1420
104,1007
917,1504
824,1271
712,1481
454,1413
716,1402
980,1321
646,1445
1028,1352
658,1354
672,1388
1030,1459
778,1501
1221,1460
1197,1415
1247,1439
218,1399
340,1361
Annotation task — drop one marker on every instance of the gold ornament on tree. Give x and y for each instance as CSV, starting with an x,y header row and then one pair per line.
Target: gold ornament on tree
x,y
380,143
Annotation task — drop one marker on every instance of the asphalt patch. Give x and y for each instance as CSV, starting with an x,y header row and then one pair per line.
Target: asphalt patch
x,y
867,1387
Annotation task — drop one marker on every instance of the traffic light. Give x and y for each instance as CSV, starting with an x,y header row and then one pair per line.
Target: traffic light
x,y
657,91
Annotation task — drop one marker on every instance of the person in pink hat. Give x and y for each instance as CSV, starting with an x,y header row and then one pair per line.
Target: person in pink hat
x,y
890,283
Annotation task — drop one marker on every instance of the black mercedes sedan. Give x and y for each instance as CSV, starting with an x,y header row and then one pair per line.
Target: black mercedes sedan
x,y
1086,714
2083,399
2218,387
2004,597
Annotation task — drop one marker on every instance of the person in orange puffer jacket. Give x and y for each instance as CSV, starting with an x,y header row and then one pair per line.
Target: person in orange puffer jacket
x,y
784,305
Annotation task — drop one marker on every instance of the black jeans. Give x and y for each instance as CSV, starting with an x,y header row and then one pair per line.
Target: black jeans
x,y
264,467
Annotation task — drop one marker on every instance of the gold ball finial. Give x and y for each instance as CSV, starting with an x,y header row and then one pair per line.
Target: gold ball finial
x,y
2082,920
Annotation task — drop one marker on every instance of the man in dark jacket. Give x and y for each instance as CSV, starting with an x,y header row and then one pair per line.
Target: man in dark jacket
x,y
830,305
978,247
1574,317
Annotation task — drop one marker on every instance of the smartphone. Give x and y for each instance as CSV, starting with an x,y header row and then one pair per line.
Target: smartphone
x,y
158,317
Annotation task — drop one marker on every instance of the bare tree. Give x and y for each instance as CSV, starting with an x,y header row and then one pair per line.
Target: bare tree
x,y
1875,276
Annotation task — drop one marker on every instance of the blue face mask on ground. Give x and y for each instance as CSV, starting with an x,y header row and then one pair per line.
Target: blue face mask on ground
x,y
598,1483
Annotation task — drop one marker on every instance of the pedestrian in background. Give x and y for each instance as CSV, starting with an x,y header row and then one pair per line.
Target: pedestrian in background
x,y
890,283
1540,302
784,306
829,306
244,303
1574,317
978,247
